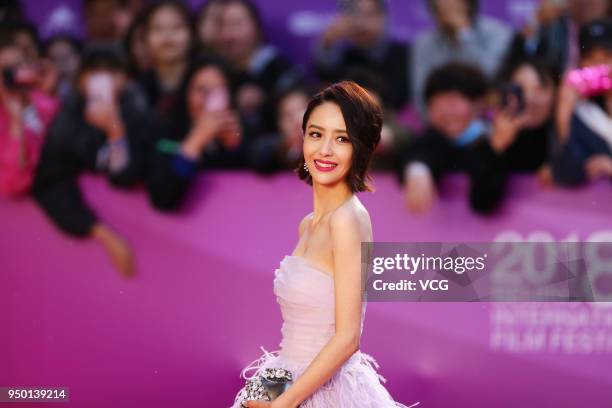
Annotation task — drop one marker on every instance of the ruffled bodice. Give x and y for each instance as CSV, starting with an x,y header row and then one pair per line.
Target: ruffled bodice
x,y
306,298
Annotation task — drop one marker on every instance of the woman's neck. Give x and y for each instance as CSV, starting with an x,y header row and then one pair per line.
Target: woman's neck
x,y
328,198
170,74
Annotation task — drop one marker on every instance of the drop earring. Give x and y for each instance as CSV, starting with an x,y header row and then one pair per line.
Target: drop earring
x,y
305,167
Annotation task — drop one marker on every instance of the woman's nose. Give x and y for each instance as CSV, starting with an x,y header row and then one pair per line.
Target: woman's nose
x,y
326,146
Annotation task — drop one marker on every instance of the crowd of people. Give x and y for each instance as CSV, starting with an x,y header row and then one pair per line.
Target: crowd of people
x,y
156,92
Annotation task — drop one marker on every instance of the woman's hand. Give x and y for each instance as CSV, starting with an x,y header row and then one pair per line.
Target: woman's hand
x,y
258,404
545,176
230,135
265,404
107,117
207,126
420,192
506,126
599,166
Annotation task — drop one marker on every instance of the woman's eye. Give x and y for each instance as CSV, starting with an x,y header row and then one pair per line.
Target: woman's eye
x,y
343,139
315,134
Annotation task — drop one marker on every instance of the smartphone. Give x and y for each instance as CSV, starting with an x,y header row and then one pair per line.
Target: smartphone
x,y
100,88
591,81
217,100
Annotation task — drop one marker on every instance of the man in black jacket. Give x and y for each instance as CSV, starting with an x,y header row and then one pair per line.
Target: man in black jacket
x,y
100,128
456,139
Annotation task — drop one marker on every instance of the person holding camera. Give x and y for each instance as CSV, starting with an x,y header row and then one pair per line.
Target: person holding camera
x,y
521,128
100,128
25,113
204,131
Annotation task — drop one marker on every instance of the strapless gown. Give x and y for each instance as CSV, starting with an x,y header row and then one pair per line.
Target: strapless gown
x,y
306,298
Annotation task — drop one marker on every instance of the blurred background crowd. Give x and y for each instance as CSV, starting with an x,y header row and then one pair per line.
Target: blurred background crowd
x,y
156,92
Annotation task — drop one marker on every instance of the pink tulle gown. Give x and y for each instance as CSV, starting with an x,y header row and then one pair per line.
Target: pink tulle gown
x,y
306,298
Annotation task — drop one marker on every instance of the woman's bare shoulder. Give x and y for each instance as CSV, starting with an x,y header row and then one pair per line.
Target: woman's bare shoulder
x,y
352,216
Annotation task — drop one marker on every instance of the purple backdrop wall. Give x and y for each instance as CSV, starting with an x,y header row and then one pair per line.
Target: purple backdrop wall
x,y
290,25
179,334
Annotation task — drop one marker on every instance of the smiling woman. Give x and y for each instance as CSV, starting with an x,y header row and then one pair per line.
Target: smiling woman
x,y
318,286
344,122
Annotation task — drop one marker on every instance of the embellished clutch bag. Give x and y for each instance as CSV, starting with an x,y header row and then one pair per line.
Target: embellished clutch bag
x,y
268,385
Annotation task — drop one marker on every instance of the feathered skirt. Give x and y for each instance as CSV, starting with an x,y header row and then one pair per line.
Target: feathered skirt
x,y
357,384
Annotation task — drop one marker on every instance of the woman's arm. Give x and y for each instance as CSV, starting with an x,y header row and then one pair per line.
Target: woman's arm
x,y
346,236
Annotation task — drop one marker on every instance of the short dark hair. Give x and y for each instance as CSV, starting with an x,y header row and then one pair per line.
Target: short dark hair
x,y
542,69
363,117
466,79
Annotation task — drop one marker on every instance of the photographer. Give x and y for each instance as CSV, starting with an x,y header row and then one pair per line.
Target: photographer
x,y
584,113
100,128
25,113
521,127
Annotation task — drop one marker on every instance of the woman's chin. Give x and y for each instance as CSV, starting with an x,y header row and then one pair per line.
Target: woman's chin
x,y
327,180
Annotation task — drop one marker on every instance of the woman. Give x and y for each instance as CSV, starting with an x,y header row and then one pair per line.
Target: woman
x,y
168,36
25,115
204,131
323,325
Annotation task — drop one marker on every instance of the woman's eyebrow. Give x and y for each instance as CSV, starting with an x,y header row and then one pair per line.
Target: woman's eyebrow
x,y
321,128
